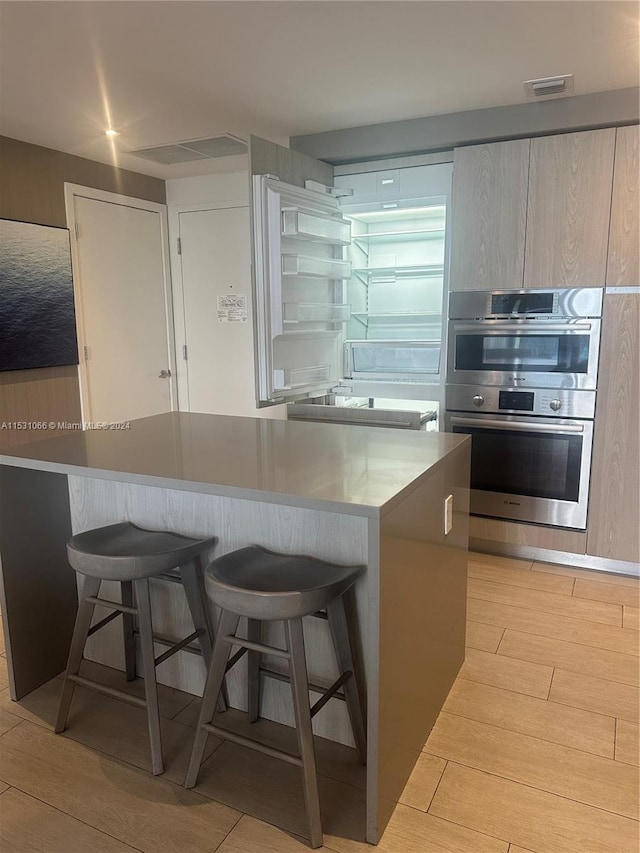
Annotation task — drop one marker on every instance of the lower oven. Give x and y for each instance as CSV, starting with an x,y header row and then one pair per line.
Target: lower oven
x,y
528,468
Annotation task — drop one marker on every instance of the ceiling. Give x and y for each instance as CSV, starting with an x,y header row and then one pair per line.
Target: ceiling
x,y
162,72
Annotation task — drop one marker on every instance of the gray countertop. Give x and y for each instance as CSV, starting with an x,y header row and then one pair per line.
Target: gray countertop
x,y
340,468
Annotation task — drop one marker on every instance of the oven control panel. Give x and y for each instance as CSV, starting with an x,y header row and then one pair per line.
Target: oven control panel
x,y
544,402
510,304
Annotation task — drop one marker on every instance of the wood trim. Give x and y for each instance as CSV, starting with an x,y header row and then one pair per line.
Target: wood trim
x,y
529,535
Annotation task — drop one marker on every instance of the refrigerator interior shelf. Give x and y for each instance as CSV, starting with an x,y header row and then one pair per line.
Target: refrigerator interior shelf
x,y
399,236
284,379
385,275
293,330
303,265
310,226
385,314
301,312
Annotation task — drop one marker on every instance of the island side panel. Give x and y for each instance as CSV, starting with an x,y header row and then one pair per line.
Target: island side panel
x,y
329,536
423,584
38,589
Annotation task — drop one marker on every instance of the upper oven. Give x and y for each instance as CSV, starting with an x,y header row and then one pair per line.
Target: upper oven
x,y
535,338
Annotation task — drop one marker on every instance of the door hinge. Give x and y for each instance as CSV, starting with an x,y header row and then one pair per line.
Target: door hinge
x,y
184,352
76,230
85,351
179,245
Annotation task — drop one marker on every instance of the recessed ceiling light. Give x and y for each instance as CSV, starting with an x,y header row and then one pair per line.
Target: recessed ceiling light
x,y
111,132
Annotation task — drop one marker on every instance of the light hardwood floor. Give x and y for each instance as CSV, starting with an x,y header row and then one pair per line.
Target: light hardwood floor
x,y
536,748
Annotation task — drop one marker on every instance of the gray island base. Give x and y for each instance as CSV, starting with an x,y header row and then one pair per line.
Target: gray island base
x,y
346,494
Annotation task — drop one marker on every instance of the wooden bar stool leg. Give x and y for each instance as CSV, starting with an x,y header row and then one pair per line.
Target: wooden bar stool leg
x,y
221,650
149,673
300,691
342,645
90,588
128,625
254,634
197,599
199,613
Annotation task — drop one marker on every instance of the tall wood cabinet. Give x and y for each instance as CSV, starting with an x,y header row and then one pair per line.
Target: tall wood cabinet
x,y
623,263
614,502
489,211
532,213
614,506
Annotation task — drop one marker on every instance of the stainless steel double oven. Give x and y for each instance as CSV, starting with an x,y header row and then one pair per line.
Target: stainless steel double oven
x,y
522,371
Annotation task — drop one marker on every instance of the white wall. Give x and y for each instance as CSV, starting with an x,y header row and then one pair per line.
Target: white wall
x,y
219,377
196,193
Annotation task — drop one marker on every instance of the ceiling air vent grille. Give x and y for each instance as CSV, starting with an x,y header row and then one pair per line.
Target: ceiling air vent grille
x,y
194,149
547,87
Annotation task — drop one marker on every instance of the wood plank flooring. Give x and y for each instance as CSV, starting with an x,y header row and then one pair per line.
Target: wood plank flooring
x,y
536,750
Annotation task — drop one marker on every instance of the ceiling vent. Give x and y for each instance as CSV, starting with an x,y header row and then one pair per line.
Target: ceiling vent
x,y
547,87
194,149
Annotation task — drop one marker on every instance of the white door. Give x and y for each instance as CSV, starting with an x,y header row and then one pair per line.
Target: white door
x,y
218,315
123,306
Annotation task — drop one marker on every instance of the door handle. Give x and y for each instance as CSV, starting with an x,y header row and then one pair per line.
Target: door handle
x,y
164,374
514,426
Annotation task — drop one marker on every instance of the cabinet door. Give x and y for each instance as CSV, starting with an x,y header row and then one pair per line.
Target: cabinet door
x,y
623,262
489,209
614,507
568,210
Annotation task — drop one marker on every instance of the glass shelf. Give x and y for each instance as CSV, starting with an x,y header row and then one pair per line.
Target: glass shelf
x,y
297,223
315,267
399,236
385,314
386,275
301,312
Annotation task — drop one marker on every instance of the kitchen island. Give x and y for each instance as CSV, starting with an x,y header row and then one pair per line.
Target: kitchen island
x,y
347,494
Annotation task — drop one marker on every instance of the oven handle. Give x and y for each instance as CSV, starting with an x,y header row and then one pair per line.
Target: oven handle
x,y
497,325
528,427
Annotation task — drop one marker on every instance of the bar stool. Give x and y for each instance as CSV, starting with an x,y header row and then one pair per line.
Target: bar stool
x,y
131,555
264,586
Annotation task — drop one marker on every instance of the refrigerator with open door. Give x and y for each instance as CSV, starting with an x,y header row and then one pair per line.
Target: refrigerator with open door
x,y
350,281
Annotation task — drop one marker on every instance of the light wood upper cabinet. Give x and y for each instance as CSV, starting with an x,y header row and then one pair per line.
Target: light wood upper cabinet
x,y
614,504
570,183
623,263
489,208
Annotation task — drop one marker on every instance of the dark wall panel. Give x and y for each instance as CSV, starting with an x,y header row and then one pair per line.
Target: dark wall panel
x,y
32,182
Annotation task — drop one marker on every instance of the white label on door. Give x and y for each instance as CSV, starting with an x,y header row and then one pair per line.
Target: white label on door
x,y
232,308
